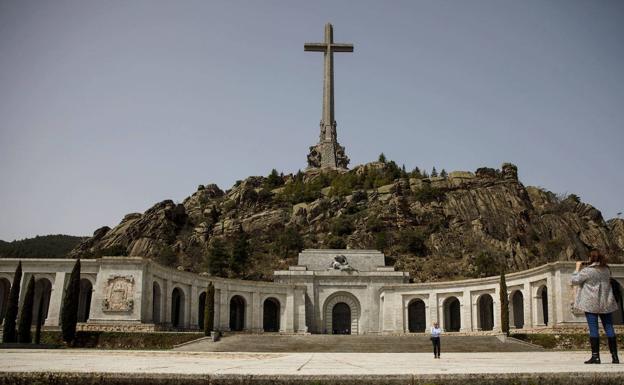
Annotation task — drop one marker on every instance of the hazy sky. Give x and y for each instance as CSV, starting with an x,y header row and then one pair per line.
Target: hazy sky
x,y
107,107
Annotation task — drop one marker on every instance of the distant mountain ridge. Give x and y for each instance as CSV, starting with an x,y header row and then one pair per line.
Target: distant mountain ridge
x,y
456,225
41,246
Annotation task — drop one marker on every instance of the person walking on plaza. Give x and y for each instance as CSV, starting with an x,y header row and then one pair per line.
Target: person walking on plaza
x,y
595,297
435,339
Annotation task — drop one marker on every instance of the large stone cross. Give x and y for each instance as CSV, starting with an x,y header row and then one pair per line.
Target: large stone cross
x,y
331,154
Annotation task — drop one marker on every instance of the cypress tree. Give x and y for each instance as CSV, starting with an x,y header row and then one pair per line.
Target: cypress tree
x,y
209,310
25,319
504,304
8,333
69,311
39,321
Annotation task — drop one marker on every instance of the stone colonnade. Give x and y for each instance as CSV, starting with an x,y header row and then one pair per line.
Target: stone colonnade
x,y
135,294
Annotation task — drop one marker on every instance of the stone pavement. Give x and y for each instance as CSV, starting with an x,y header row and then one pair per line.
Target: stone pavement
x,y
107,361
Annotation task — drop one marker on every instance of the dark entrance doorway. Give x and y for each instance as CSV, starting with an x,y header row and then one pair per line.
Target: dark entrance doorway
x,y
237,313
177,308
544,299
417,322
341,319
517,301
271,321
486,312
452,316
201,309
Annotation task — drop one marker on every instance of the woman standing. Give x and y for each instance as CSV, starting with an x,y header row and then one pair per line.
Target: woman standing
x,y
435,339
595,297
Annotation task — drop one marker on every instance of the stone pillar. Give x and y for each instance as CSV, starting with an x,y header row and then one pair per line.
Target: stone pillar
x,y
167,290
527,301
256,320
194,313
466,312
290,311
148,298
389,313
552,315
475,311
300,322
56,299
434,313
224,323
497,309
217,308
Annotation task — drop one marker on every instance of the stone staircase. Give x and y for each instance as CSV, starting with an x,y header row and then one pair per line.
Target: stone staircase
x,y
354,344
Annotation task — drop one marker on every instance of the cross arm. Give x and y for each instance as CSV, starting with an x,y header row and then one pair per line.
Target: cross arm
x,y
318,47
342,47
322,47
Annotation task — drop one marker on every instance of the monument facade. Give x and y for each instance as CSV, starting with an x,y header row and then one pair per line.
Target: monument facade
x,y
327,292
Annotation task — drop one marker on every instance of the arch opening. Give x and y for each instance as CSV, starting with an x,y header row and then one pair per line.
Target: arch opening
x,y
271,315
201,310
43,292
335,318
485,306
341,319
84,300
416,316
237,313
452,314
156,299
5,289
177,308
517,309
542,305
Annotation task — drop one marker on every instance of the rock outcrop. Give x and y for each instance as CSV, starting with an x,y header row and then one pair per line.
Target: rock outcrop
x,y
463,225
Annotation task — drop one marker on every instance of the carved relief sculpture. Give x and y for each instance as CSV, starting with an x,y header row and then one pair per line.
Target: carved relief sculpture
x,y
119,294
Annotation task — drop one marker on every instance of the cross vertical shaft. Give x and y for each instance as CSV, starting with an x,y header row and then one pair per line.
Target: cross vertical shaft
x,y
328,153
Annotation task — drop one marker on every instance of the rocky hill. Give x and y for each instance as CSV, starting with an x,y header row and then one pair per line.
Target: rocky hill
x,y
458,225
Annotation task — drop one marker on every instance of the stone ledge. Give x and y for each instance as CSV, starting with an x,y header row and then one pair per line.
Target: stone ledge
x,y
41,378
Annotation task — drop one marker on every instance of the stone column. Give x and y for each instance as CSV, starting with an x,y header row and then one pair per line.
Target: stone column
x,y
497,305
56,299
290,311
434,313
167,296
389,314
552,316
225,310
466,312
256,320
217,309
527,301
194,313
300,324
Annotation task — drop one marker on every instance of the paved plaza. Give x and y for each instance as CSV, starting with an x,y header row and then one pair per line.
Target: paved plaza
x,y
151,362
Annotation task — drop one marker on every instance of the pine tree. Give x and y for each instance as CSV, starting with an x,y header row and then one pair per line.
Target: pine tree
x,y
240,252
217,258
209,310
434,172
274,179
25,319
69,310
382,158
9,333
504,303
443,174
416,173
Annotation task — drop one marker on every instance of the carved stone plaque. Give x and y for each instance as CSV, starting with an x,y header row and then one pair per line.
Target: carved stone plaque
x,y
119,294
